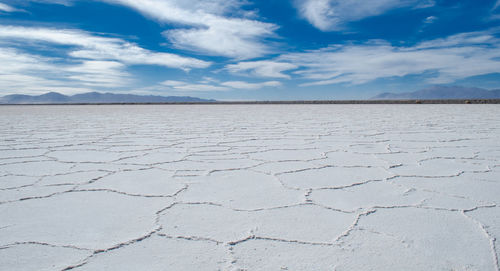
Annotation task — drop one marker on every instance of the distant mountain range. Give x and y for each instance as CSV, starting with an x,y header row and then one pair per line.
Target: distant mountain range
x,y
432,93
95,97
442,92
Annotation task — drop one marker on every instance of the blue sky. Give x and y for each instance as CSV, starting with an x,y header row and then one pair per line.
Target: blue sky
x,y
248,49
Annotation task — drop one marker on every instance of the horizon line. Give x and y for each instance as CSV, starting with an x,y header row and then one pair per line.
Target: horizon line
x,y
399,101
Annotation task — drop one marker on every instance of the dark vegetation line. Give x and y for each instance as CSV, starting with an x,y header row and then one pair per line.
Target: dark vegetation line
x,y
444,101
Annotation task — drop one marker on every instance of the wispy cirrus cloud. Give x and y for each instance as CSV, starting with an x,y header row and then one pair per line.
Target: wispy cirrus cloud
x,y
99,74
214,85
213,27
84,61
449,59
88,46
22,72
247,85
430,20
495,11
263,68
332,15
195,87
7,8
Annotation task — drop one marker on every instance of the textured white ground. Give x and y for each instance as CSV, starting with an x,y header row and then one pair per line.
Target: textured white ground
x,y
250,187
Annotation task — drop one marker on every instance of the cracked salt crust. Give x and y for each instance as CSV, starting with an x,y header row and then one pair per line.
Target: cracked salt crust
x,y
91,220
153,158
418,236
333,177
43,257
367,196
250,187
84,156
287,223
10,182
240,189
161,253
439,168
73,178
276,255
344,158
148,182
44,168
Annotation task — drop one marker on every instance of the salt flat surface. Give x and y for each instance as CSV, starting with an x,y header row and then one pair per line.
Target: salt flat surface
x,y
250,187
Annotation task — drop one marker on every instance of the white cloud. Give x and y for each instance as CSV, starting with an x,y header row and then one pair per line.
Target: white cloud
x,y
430,19
31,74
98,48
58,2
471,39
203,27
6,8
173,83
13,61
452,58
215,86
208,80
264,68
88,61
246,85
184,86
99,74
18,72
328,15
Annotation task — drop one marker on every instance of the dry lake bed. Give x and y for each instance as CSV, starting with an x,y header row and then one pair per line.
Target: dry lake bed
x,y
250,187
